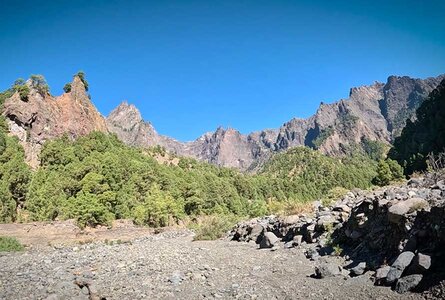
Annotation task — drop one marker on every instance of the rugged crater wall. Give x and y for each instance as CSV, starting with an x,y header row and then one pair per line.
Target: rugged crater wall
x,y
376,112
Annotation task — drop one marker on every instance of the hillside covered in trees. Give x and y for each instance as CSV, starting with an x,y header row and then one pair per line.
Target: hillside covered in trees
x,y
96,179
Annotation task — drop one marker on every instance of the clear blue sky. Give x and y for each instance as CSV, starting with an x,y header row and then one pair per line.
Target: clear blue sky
x,y
190,66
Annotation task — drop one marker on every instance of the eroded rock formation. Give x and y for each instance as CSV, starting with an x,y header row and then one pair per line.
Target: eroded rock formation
x,y
42,117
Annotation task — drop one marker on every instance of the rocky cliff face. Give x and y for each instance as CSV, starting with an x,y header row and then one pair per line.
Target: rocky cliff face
x,y
44,117
375,112
127,123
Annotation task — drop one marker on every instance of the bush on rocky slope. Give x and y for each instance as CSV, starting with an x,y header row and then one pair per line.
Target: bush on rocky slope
x,y
14,176
212,227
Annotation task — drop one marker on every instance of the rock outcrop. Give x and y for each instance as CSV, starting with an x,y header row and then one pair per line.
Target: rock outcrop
x,y
127,123
376,112
43,117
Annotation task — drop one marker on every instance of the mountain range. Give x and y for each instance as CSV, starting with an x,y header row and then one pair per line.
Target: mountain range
x,y
375,112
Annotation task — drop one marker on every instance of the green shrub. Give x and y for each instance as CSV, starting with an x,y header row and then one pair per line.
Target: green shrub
x,y
384,175
5,95
67,87
333,195
21,87
88,211
40,84
396,169
158,209
213,227
374,149
322,137
10,244
81,76
387,171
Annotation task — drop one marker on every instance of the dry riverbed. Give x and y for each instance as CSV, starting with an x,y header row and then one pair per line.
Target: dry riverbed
x,y
62,262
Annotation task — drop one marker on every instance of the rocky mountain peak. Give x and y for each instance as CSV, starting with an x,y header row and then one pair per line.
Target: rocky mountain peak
x,y
126,115
366,92
374,112
42,116
78,91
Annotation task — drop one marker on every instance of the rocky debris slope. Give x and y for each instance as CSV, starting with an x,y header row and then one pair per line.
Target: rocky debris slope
x,y
42,117
171,266
376,112
395,233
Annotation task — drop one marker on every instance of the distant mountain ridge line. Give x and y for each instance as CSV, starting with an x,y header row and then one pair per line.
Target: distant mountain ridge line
x,y
375,112
381,109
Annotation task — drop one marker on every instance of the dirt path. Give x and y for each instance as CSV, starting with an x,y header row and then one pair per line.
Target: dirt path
x,y
63,233
171,266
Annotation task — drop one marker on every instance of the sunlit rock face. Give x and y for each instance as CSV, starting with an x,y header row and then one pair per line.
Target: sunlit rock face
x,y
376,112
43,117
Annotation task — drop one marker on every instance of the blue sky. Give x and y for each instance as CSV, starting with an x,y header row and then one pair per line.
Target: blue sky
x,y
190,66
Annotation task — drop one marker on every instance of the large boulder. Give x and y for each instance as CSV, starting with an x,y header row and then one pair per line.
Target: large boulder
x,y
398,211
358,269
326,269
399,265
268,240
408,283
255,232
421,263
381,273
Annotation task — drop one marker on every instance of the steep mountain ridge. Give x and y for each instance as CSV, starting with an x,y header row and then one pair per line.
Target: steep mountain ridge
x,y
43,117
375,112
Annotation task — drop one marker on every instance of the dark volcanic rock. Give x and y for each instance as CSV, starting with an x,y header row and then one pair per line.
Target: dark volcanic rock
x,y
268,240
397,268
408,283
327,269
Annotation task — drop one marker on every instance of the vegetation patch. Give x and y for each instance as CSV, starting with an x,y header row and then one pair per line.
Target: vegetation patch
x,y
333,195
213,227
387,171
322,137
10,244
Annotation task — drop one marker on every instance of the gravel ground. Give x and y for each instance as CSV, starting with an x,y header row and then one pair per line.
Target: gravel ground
x,y
172,266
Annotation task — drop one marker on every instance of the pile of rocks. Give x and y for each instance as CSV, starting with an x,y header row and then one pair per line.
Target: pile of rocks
x,y
296,229
396,232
